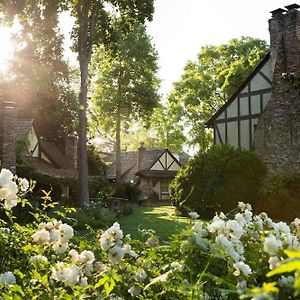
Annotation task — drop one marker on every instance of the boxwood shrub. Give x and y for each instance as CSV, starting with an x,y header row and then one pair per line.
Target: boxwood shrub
x,y
217,180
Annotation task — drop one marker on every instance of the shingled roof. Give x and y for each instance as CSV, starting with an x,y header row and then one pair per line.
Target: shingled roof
x,y
23,127
129,164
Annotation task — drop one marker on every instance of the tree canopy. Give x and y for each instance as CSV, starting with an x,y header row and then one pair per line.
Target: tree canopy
x,y
40,74
126,84
210,80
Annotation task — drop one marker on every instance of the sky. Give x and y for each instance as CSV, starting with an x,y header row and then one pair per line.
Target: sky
x,y
181,27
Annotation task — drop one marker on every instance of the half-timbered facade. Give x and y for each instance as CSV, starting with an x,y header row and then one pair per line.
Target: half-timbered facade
x,y
151,169
234,122
263,114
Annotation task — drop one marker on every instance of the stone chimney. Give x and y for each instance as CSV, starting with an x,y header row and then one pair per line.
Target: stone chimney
x,y
141,153
71,149
8,136
277,134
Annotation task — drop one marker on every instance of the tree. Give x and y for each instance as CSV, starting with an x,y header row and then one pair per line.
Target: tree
x,y
169,132
94,25
210,80
41,75
126,85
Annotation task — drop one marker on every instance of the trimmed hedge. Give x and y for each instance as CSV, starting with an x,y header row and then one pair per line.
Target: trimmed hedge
x,y
97,184
217,180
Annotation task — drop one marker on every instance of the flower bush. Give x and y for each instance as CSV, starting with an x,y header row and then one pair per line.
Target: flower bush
x,y
231,257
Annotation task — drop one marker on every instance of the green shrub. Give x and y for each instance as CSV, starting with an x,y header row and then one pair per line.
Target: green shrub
x,y
217,180
124,190
280,196
98,185
95,216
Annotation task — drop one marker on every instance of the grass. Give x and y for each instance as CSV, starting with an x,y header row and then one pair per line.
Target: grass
x,y
161,219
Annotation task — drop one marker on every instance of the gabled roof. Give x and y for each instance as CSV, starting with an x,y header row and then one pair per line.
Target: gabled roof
x,y
129,164
210,122
50,169
59,159
23,127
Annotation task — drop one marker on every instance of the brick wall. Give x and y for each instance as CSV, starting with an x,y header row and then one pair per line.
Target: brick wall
x,y
8,136
277,134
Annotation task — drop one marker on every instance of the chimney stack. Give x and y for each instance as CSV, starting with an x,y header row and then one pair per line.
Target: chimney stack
x,y
71,149
141,153
277,135
8,136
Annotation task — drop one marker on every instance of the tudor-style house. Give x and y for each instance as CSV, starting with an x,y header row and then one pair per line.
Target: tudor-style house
x,y
264,114
44,156
151,169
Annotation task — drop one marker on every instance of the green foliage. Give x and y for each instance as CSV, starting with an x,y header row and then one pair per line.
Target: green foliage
x,y
94,216
40,76
22,150
95,164
169,133
97,185
280,193
124,190
226,258
217,180
209,81
126,85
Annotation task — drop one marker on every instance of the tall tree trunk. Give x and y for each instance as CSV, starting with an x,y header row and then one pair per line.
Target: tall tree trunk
x,y
83,185
118,145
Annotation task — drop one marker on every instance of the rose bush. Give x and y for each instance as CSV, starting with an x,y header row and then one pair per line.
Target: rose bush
x,y
226,258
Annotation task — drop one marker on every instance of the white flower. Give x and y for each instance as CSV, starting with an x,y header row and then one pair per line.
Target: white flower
x,y
134,290
236,230
127,250
6,176
176,265
161,278
60,247
38,257
241,267
248,215
5,230
273,262
88,256
281,227
83,282
296,222
194,215
8,193
66,232
197,227
152,242
41,236
218,225
272,245
8,278
240,219
140,275
286,281
24,184
115,254
54,235
69,274
241,286
243,206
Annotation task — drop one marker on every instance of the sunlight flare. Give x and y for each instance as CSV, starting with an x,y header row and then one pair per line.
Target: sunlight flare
x,y
6,48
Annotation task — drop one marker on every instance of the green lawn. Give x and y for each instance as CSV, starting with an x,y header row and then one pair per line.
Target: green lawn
x,y
161,219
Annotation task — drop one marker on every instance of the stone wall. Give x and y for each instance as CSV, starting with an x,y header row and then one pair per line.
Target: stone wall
x,y
8,136
277,134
